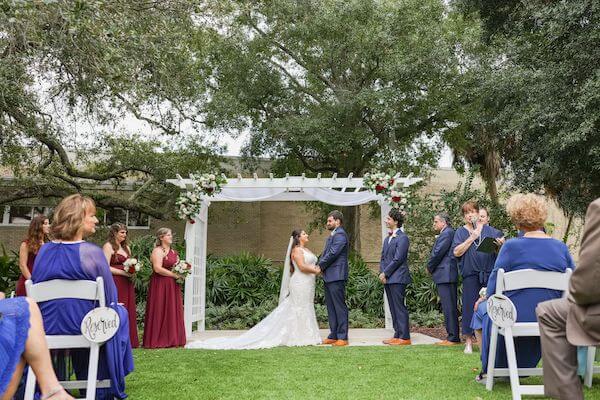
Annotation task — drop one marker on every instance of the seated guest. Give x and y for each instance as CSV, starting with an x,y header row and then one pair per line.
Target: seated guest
x,y
474,266
535,250
443,270
37,235
573,321
23,341
69,257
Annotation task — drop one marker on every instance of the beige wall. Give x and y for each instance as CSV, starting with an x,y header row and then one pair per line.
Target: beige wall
x,y
264,227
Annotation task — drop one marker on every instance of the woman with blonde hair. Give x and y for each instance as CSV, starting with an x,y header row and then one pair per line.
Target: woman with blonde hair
x,y
37,235
163,323
534,250
68,256
117,252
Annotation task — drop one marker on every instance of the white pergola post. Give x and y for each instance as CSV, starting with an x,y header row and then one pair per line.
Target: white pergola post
x,y
336,191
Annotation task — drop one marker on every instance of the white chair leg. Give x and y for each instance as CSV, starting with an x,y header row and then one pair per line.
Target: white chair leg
x,y
30,385
489,383
92,372
511,357
589,367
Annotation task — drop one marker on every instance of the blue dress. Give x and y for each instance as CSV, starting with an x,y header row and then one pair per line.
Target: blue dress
x,y
524,253
474,267
85,261
14,327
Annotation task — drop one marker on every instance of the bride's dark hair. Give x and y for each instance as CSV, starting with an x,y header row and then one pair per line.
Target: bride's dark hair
x,y
295,242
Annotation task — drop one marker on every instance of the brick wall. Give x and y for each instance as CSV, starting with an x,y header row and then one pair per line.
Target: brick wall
x,y
265,227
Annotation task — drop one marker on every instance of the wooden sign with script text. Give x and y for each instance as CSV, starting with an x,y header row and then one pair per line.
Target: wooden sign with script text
x,y
501,310
100,324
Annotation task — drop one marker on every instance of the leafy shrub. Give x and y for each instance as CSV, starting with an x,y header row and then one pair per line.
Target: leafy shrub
x,y
240,280
428,319
243,289
9,271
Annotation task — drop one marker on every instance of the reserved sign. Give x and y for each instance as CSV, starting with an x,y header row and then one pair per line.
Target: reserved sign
x,y
100,324
501,310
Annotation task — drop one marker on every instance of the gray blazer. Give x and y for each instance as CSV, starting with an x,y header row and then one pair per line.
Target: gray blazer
x,y
583,321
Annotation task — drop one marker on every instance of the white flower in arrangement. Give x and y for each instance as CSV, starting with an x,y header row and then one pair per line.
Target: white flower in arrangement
x,y
131,265
205,185
183,269
483,292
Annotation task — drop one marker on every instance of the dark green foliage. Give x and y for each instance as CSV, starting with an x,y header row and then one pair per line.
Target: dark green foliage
x,y
428,319
241,280
9,271
243,289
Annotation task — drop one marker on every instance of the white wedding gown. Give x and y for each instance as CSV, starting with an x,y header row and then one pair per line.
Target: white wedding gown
x,y
292,323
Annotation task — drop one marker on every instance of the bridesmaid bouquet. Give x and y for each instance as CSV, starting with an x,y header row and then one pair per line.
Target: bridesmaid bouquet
x,y
131,266
182,268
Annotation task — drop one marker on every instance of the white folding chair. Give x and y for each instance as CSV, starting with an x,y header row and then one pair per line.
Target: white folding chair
x,y
65,289
590,369
514,280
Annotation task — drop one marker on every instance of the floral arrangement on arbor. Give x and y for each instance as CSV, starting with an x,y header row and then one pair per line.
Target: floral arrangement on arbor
x,y
387,186
190,202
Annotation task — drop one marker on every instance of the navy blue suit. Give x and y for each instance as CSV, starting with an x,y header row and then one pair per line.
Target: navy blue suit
x,y
334,266
394,265
444,272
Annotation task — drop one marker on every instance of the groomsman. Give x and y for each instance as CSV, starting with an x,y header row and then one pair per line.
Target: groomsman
x,y
443,270
395,276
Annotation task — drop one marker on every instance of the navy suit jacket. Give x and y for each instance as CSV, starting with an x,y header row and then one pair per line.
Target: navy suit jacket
x,y
334,259
394,259
442,264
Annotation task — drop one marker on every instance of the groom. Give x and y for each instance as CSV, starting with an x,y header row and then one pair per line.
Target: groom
x,y
334,267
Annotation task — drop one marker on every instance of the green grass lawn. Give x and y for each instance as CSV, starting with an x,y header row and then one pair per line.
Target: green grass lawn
x,y
417,372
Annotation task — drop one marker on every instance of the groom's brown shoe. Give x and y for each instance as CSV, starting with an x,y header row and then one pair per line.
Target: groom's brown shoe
x,y
340,343
400,342
388,341
329,341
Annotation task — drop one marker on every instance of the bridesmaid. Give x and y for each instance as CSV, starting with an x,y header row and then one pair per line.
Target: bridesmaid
x,y
163,324
39,228
116,250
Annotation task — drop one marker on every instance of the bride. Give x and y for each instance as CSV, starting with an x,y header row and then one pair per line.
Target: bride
x,y
293,322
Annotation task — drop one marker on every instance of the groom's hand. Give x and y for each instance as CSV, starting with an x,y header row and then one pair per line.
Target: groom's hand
x,y
382,278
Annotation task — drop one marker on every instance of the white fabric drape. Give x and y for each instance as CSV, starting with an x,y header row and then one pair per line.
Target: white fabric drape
x,y
329,196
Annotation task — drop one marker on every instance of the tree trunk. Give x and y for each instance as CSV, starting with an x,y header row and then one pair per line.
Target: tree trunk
x,y
490,171
352,226
568,229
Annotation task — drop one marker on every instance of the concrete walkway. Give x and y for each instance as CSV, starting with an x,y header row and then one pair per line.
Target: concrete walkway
x,y
358,337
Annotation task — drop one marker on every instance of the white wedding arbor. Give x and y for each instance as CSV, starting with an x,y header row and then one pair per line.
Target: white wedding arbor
x,y
348,191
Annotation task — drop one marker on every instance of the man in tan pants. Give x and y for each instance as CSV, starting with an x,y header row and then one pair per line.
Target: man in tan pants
x,y
574,321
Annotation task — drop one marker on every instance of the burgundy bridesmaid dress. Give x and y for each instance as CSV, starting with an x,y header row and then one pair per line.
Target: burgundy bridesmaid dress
x,y
163,325
20,290
126,295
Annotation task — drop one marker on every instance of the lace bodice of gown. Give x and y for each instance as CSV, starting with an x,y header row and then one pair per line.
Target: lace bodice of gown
x,y
292,323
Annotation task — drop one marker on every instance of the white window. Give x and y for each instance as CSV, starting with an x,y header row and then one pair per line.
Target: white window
x,y
133,219
22,215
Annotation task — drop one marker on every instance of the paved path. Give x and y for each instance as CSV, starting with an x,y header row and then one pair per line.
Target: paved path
x,y
358,337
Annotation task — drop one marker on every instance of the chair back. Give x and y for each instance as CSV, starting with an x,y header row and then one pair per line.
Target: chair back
x,y
533,278
66,289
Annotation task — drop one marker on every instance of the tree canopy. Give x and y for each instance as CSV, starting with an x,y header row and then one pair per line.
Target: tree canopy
x,y
542,94
101,61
